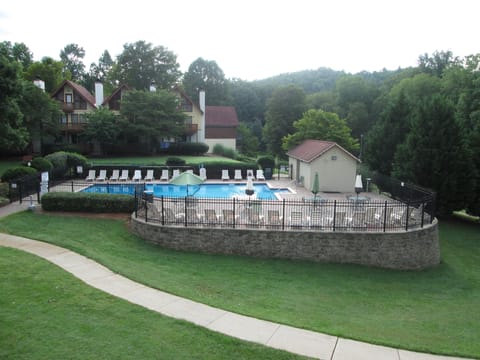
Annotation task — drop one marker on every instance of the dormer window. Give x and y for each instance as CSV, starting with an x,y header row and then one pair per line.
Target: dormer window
x,y
68,98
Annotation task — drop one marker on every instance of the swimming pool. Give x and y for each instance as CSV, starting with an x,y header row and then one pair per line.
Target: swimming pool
x,y
262,191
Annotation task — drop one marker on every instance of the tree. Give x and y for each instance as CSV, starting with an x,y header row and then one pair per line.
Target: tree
x,y
434,155
247,143
148,116
321,125
102,126
141,63
13,132
436,64
72,57
49,70
207,75
99,72
18,52
286,105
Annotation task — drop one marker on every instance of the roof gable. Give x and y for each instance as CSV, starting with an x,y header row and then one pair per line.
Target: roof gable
x,y
309,150
115,92
221,116
79,89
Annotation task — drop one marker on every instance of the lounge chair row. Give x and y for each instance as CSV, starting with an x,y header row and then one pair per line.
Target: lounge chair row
x,y
238,175
137,176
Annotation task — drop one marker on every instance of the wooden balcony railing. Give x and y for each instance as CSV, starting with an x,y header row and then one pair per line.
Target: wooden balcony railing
x,y
190,129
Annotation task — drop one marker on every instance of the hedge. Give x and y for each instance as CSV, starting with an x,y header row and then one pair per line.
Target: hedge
x,y
18,172
88,202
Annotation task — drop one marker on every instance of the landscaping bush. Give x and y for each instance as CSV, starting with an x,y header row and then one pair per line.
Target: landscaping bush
x,y
64,163
218,149
266,161
4,189
174,161
88,202
41,164
17,172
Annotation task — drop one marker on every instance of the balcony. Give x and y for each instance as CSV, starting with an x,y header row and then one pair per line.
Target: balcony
x,y
67,107
190,129
71,127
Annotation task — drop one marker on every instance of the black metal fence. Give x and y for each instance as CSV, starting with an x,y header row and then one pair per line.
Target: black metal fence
x,y
301,214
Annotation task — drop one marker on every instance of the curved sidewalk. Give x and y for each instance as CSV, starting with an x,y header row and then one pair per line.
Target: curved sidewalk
x,y
303,342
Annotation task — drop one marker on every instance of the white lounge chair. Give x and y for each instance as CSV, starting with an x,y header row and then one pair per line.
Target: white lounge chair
x,y
164,176
260,175
176,172
115,175
91,175
102,176
238,174
149,176
203,173
137,176
225,175
124,176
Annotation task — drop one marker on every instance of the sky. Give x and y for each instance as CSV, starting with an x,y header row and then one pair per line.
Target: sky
x,y
251,39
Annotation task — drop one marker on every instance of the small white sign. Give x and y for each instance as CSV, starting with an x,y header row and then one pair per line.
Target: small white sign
x,y
45,176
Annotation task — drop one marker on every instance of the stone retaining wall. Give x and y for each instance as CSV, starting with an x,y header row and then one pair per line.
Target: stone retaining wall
x,y
408,250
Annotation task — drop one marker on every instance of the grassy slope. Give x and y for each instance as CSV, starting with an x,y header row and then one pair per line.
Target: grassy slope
x,y
45,313
433,311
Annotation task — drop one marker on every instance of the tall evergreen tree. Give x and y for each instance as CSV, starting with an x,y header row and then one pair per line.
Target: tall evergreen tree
x,y
286,105
434,155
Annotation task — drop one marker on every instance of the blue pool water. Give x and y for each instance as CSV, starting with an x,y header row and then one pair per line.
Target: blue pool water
x,y
262,191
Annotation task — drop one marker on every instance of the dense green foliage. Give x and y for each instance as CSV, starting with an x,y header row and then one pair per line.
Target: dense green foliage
x,y
432,311
65,163
175,161
41,164
88,202
17,172
266,161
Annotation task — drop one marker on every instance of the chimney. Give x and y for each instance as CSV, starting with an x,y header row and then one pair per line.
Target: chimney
x,y
98,93
201,103
39,83
153,87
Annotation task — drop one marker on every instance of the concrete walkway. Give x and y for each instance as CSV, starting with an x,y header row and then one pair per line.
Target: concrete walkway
x,y
303,342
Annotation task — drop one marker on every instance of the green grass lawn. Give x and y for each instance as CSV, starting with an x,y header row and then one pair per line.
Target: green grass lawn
x,y
46,313
159,160
436,310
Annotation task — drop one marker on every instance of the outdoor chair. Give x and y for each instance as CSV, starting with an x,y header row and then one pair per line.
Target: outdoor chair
x,y
228,217
296,219
91,175
340,219
358,221
192,216
401,218
203,173
176,172
260,175
238,174
164,176
102,176
210,216
124,176
149,176
137,175
318,220
115,175
274,218
169,216
225,175
254,217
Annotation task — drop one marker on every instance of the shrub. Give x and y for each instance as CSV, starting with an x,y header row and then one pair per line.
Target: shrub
x,y
64,162
218,149
174,161
4,189
266,161
188,148
41,164
17,172
88,202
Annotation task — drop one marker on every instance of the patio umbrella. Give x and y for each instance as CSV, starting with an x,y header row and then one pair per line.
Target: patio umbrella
x,y
316,185
186,178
